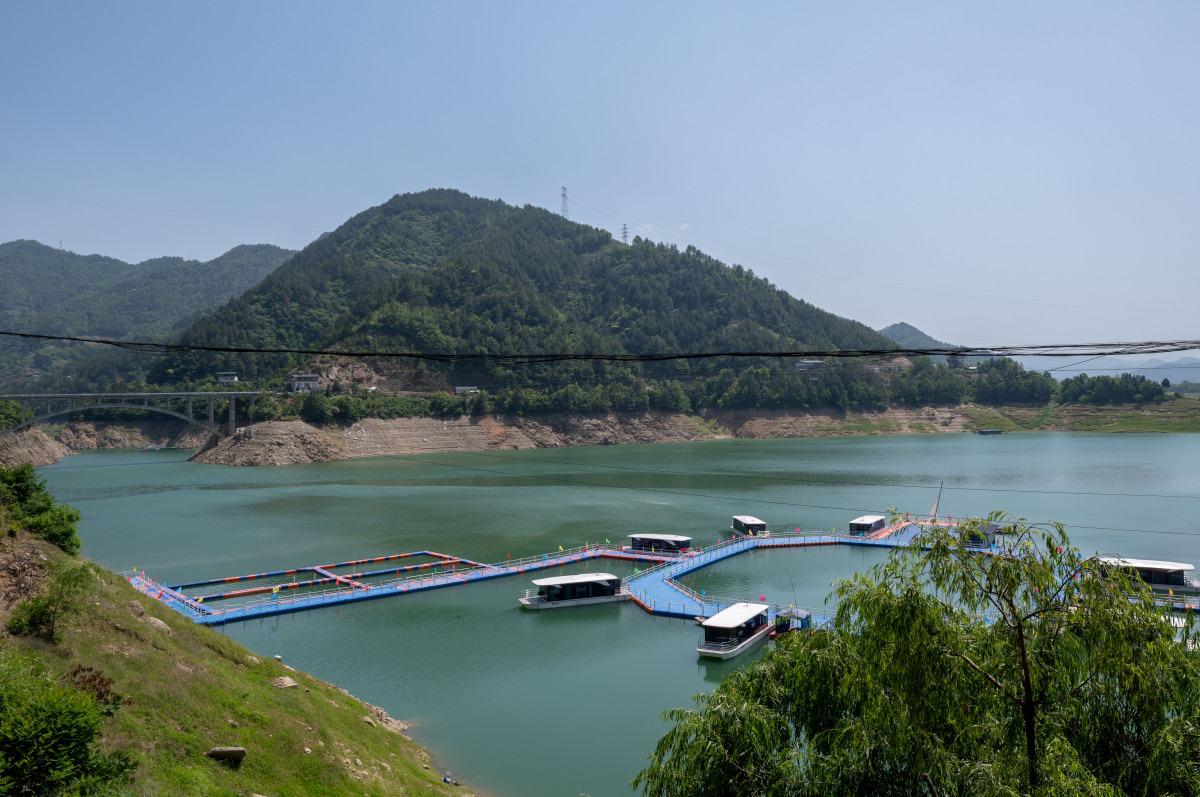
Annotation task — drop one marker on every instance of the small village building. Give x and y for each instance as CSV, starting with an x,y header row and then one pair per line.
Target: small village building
x,y
305,383
226,377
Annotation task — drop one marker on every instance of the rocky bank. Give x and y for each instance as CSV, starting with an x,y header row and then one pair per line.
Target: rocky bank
x,y
289,442
295,442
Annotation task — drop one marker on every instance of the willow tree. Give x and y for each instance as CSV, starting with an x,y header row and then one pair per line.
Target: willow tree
x,y
946,670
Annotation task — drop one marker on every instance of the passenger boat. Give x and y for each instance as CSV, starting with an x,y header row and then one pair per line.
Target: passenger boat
x,y
866,524
734,630
662,544
749,526
1164,577
581,589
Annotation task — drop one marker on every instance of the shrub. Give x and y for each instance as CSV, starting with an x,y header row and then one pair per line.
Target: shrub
x,y
48,737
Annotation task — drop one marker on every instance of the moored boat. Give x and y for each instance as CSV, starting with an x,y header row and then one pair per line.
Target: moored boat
x,y
581,589
1169,578
661,544
734,630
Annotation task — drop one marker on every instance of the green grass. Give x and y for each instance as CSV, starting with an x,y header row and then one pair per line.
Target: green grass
x,y
185,689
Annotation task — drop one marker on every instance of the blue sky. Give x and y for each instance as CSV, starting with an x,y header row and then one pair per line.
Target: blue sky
x,y
993,173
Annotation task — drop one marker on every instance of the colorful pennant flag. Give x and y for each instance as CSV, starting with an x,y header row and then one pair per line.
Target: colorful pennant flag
x,y
761,598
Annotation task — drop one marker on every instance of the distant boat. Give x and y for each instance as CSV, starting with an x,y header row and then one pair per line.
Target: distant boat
x,y
991,431
157,448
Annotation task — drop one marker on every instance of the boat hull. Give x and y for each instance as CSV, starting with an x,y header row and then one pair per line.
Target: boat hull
x,y
539,604
729,651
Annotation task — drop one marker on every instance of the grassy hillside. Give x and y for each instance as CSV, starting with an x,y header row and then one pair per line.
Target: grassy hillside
x,y
1178,415
191,688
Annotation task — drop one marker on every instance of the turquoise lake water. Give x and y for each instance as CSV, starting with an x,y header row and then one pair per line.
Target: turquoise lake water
x,y
568,702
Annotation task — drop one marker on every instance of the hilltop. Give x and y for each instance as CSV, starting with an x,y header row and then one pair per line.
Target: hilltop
x,y
442,272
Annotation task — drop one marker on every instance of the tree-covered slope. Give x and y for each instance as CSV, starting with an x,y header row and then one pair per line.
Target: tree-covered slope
x,y
443,272
49,291
55,292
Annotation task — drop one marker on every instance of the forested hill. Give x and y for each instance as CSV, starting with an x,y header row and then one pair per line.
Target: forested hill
x,y
54,292
440,271
48,290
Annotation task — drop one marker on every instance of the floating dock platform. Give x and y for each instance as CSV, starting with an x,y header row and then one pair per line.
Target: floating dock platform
x,y
656,589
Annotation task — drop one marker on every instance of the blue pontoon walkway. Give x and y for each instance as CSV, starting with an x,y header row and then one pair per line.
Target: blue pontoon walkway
x,y
656,589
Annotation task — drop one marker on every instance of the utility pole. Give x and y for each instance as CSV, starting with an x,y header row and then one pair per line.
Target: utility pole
x,y
625,233
564,206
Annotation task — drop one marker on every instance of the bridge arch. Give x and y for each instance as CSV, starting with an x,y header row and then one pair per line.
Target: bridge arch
x,y
214,429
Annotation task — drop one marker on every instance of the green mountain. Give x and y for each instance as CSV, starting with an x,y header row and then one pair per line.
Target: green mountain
x,y
53,292
910,337
442,272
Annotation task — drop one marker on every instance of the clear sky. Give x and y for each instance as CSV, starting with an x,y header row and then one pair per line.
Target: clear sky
x,y
992,173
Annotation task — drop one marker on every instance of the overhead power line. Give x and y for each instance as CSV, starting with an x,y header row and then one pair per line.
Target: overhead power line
x,y
1040,350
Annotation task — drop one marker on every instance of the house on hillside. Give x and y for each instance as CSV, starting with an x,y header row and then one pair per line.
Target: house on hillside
x,y
305,383
226,378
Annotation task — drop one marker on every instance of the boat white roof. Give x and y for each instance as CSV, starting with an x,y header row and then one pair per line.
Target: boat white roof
x,y
663,537
749,519
735,615
868,519
578,578
1145,564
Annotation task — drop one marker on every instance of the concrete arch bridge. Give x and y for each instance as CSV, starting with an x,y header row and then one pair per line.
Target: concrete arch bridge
x,y
40,407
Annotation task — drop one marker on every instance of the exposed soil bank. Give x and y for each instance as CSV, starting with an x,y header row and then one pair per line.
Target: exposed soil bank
x,y
293,442
31,445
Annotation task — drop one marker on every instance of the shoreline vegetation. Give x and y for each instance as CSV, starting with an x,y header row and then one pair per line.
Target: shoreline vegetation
x,y
105,690
285,442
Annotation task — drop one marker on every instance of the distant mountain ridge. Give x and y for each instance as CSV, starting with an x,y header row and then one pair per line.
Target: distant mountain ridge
x,y
442,272
54,292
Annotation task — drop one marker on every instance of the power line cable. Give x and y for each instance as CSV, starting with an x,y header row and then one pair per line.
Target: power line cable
x,y
1094,350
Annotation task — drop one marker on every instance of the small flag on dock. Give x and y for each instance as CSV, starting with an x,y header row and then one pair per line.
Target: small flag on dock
x,y
761,598
508,555
200,599
606,540
274,593
560,547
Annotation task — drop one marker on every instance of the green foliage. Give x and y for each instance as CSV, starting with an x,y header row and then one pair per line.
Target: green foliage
x,y
316,408
48,736
1074,684
10,414
446,405
1123,389
26,504
63,594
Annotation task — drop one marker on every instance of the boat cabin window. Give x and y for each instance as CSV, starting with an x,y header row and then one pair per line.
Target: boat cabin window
x,y
585,589
651,544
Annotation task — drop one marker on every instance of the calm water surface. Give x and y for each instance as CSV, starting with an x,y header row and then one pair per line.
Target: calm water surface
x,y
559,703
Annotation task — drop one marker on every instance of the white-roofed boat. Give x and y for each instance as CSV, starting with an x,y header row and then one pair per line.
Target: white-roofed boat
x,y
867,523
734,630
581,589
1160,576
750,526
663,544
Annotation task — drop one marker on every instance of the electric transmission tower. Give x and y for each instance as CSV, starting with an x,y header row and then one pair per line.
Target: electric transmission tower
x,y
564,207
625,233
